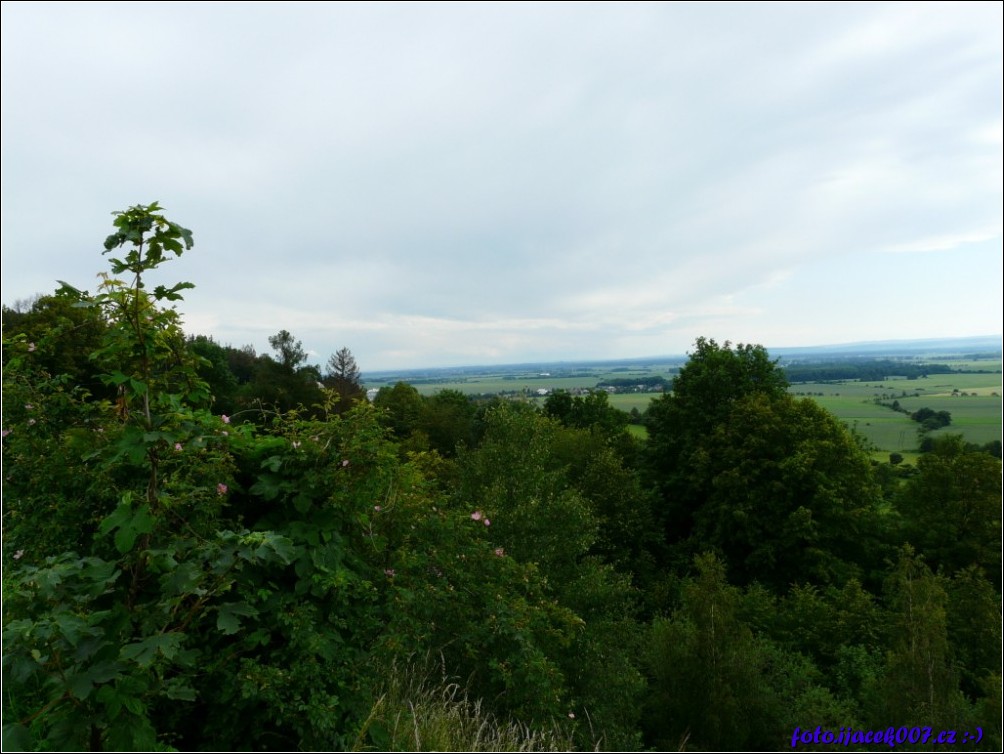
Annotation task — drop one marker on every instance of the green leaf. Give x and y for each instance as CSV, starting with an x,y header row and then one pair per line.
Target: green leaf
x,y
132,732
177,689
16,737
121,514
228,619
80,686
135,523
143,653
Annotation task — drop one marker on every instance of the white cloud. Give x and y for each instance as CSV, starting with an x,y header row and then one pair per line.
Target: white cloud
x,y
494,182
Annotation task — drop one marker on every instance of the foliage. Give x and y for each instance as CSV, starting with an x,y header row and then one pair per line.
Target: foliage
x,y
786,494
704,392
929,419
920,684
952,508
716,685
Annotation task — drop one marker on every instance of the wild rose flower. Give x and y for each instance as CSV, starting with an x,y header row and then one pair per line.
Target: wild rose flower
x,y
389,572
345,462
377,508
225,418
476,516
488,522
177,447
221,489
500,552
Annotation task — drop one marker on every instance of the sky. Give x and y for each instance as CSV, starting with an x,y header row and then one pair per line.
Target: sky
x,y
459,184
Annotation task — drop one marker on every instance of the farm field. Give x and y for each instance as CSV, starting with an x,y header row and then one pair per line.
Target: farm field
x,y
975,415
524,379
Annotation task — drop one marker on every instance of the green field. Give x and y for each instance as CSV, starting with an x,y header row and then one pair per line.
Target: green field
x,y
527,380
975,415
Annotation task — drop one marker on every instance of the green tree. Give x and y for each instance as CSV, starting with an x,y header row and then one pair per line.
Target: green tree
x,y
447,419
343,376
62,337
103,642
289,350
215,370
785,493
716,685
952,508
709,384
921,684
403,407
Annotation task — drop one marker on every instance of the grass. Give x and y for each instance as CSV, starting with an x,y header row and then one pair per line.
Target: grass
x,y
417,712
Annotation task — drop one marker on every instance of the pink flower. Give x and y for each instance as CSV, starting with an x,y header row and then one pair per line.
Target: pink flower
x,y
389,572
500,552
476,516
221,489
488,522
177,447
225,418
345,462
377,508
571,715
31,347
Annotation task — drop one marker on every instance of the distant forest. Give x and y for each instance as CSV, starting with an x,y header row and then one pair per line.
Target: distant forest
x,y
861,369
208,548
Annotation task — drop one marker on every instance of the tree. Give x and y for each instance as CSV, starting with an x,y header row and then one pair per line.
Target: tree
x,y
704,392
289,382
344,377
921,684
402,406
784,492
63,335
447,419
592,410
952,508
289,351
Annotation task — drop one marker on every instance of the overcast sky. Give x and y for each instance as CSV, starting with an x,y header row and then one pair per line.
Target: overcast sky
x,y
451,184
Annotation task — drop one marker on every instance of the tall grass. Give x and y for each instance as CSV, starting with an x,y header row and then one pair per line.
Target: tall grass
x,y
418,712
